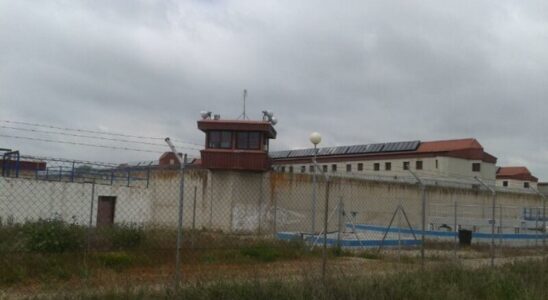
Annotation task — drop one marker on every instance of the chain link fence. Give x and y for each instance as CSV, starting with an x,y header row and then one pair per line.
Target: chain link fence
x,y
158,226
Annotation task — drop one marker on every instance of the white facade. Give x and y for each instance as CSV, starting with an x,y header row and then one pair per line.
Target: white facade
x,y
515,184
428,167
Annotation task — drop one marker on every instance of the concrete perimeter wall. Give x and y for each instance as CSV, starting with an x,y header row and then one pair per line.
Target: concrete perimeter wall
x,y
259,202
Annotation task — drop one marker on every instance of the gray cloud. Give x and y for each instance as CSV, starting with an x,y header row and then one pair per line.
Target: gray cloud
x,y
357,72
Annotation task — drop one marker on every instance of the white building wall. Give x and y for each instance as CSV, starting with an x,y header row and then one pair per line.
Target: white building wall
x,y
446,167
29,200
515,184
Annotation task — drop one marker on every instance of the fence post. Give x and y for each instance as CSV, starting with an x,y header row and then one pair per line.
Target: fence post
x,y
543,197
194,209
260,206
492,221
543,221
314,188
399,231
455,229
90,222
148,174
72,173
275,202
423,214
501,230
423,236
182,164
193,218
341,214
325,221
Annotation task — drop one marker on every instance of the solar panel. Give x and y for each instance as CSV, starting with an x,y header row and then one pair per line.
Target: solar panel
x,y
279,154
340,150
356,149
374,148
400,146
414,145
301,153
325,151
389,147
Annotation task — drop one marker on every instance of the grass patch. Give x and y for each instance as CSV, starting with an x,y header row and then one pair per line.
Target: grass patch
x,y
117,261
523,280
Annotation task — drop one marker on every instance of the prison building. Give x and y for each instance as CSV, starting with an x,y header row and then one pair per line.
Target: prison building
x,y
516,178
455,159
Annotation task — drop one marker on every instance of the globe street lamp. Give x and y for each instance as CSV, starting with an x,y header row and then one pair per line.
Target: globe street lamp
x,y
315,138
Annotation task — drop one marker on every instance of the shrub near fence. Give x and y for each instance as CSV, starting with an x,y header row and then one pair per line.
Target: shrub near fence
x,y
57,236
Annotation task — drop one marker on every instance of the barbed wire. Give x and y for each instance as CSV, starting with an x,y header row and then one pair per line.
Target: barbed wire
x,y
80,144
96,137
46,158
97,132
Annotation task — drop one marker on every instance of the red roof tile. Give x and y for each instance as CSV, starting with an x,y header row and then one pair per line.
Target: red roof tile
x,y
508,171
517,172
449,145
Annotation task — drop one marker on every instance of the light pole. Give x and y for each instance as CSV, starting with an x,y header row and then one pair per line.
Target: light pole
x,y
315,138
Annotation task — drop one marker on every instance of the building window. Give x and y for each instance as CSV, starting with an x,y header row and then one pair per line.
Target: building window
x,y
418,165
526,185
303,169
406,165
324,168
348,168
436,163
283,169
505,183
476,167
291,169
333,168
220,140
248,140
376,166
387,166
311,168
360,167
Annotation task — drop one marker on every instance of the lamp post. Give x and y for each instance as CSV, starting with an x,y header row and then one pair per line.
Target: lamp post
x,y
315,138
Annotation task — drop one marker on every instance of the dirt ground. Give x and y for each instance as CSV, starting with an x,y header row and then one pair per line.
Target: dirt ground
x,y
161,275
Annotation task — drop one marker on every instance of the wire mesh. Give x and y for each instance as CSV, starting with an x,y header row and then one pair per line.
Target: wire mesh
x,y
102,225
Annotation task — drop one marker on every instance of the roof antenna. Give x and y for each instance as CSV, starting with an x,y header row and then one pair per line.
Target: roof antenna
x,y
243,115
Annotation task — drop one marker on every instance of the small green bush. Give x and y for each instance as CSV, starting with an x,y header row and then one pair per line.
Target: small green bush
x,y
53,236
116,260
124,236
262,253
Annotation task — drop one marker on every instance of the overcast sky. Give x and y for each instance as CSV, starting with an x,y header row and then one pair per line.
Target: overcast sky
x,y
356,71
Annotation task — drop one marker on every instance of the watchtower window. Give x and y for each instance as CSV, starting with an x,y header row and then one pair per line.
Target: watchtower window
x,y
220,139
248,140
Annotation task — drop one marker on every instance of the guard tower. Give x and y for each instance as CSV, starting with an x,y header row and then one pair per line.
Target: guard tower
x,y
237,144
